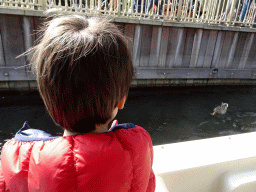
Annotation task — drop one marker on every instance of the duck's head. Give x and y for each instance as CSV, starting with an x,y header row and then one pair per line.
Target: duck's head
x,y
224,105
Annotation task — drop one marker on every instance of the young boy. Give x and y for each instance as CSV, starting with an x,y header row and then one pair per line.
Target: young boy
x,y
84,71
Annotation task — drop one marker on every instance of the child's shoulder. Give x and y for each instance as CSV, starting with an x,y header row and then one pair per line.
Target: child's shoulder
x,y
118,141
26,134
125,130
132,136
125,126
129,129
127,136
126,149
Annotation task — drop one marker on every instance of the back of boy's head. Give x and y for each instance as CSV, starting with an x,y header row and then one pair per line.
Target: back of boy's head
x,y
83,69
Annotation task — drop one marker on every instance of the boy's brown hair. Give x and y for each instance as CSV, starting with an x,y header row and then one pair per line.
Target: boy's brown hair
x,y
83,69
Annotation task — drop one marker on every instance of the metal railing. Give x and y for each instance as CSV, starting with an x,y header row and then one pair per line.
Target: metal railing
x,y
223,12
23,4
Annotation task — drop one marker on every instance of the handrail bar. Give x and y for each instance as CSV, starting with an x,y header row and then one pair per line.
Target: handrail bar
x,y
212,12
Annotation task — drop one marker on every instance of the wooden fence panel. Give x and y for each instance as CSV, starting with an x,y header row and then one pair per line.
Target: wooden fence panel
x,y
210,48
28,26
172,45
155,46
217,50
28,30
246,50
163,47
136,46
2,60
232,51
158,51
239,49
12,39
227,41
188,47
129,33
180,48
203,48
121,26
38,23
146,38
251,61
196,48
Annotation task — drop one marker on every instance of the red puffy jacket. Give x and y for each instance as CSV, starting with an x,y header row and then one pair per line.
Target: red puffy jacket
x,y
115,161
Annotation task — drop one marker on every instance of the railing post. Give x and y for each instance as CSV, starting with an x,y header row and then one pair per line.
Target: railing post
x,y
195,10
179,9
210,11
91,6
142,8
99,7
231,12
168,7
118,7
43,4
251,13
66,5
131,8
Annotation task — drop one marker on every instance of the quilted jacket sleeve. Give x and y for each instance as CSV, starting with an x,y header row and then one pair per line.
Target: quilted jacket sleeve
x,y
2,182
146,142
151,183
152,179
138,142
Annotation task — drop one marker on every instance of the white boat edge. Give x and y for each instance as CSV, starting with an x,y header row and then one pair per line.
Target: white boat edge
x,y
220,164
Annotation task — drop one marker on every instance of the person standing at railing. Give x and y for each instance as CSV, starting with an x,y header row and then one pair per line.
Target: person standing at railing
x,y
74,3
172,10
163,5
228,8
137,7
109,4
185,10
246,7
84,70
157,3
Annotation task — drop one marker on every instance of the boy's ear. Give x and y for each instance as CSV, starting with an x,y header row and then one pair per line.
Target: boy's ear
x,y
121,103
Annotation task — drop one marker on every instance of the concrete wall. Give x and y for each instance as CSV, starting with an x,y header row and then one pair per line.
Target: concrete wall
x,y
163,53
23,86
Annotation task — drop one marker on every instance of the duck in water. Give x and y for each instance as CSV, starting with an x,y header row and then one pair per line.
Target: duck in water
x,y
221,109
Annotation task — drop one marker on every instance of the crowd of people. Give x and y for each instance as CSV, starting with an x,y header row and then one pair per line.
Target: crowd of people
x,y
240,11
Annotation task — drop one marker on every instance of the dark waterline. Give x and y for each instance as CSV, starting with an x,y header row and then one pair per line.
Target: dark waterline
x,y
169,114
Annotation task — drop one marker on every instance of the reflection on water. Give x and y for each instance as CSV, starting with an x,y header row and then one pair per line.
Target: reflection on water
x,y
168,114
